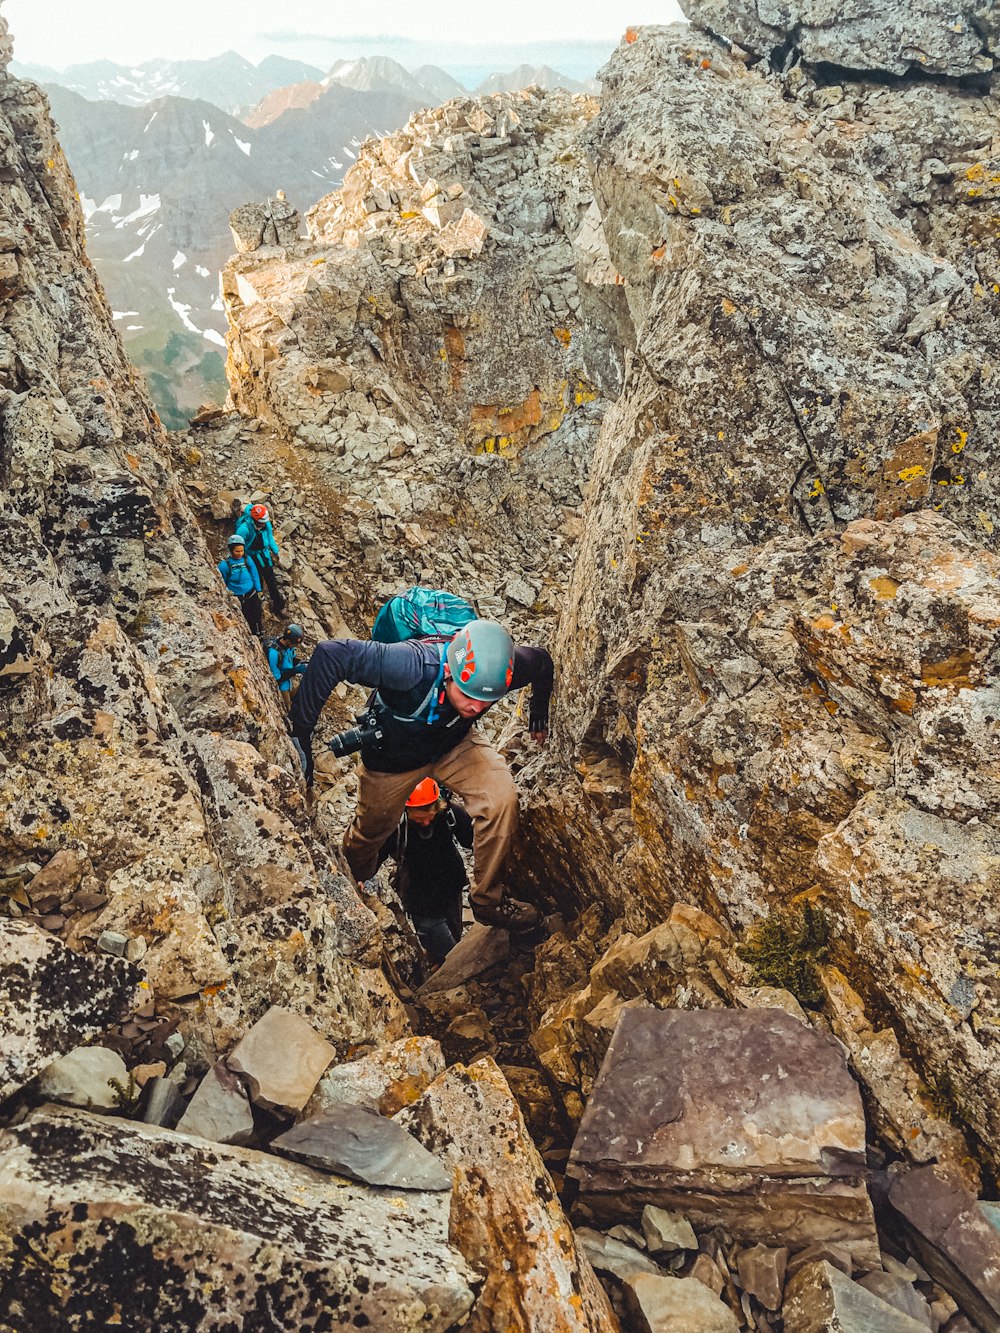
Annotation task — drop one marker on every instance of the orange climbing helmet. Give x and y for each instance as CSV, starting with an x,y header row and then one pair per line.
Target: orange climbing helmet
x,y
259,513
424,793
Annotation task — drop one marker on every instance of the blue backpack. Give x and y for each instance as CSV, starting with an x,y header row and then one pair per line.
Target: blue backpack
x,y
422,613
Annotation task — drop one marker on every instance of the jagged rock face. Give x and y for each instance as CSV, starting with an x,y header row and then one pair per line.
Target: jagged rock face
x,y
934,36
434,346
146,1228
140,729
773,674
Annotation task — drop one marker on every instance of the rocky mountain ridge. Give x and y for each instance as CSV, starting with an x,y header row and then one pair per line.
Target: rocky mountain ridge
x,y
699,387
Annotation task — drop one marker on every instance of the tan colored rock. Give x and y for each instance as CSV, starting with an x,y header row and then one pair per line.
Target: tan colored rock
x,y
903,1110
676,1305
503,1203
282,1059
387,1080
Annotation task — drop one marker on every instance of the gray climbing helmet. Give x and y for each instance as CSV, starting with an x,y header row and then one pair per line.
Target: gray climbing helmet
x,y
235,540
294,632
481,660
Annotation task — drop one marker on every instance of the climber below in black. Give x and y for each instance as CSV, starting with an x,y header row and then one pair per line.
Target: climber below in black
x,y
430,873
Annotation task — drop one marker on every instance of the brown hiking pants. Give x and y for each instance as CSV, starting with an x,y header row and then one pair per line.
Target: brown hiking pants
x,y
476,772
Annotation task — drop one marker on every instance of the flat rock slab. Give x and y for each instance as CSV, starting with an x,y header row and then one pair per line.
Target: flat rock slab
x,y
282,1059
676,1305
506,1217
821,1299
609,1254
955,1238
357,1142
52,998
479,949
741,1118
386,1080
219,1109
143,1228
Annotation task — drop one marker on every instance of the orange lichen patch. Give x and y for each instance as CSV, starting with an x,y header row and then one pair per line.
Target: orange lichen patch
x,y
220,621
631,34
831,706
738,570
658,254
510,419
951,673
563,336
824,622
905,473
132,461
454,350
884,587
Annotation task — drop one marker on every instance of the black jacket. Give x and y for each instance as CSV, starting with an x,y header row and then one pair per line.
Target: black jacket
x,y
403,675
431,870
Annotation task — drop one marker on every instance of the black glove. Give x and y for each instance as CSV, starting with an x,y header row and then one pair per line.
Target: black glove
x,y
537,721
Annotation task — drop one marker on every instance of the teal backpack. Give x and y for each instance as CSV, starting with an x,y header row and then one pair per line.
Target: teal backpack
x,y
422,613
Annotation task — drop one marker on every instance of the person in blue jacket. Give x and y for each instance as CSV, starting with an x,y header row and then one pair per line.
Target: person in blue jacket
x,y
240,576
282,659
257,531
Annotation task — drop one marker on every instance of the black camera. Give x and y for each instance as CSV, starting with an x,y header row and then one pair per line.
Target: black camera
x,y
367,732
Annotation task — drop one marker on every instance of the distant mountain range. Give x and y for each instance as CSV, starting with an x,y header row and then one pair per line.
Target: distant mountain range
x,y
158,180
228,81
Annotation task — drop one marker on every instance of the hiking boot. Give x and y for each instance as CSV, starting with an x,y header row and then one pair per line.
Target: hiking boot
x,y
508,913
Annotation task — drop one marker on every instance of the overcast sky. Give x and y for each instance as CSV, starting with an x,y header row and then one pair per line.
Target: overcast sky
x,y
62,32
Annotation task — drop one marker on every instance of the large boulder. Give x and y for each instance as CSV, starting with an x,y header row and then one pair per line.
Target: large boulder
x,y
745,1120
505,1205
142,1227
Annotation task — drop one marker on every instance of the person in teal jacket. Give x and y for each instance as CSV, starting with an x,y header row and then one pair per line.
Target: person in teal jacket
x,y
239,574
282,659
257,531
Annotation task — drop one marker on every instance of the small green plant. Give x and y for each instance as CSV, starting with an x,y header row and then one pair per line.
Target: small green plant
x,y
126,1094
785,947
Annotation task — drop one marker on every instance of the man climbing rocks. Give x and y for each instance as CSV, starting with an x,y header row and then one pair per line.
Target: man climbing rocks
x,y
428,697
282,658
257,531
430,872
240,576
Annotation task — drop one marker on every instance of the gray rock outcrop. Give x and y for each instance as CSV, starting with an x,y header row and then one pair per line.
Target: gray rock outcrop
x,y
932,36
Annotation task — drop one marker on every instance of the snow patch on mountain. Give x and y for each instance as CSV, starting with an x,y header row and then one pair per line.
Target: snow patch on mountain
x,y
180,259
148,203
209,134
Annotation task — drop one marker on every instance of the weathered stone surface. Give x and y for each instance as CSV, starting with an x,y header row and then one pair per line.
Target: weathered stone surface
x,y
762,1274
902,1111
219,1109
282,1058
778,650
479,949
503,1203
666,1232
199,1237
387,1080
955,1239
819,1299
51,998
356,1141
676,1305
82,1077
617,1257
900,1293
933,36
740,1118
161,1102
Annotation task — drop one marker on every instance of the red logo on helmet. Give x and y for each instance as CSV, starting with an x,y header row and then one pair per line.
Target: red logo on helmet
x,y
510,672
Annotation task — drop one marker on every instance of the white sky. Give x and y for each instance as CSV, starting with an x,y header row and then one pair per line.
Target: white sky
x,y
64,32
